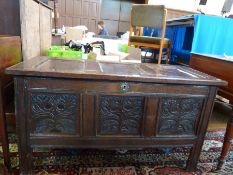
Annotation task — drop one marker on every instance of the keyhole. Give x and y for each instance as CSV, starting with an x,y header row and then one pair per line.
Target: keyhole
x,y
124,87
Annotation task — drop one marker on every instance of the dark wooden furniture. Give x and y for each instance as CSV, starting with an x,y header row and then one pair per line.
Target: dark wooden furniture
x,y
83,104
3,170
10,17
115,14
10,54
220,67
118,18
78,12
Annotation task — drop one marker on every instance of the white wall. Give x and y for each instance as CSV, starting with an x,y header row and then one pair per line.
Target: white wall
x,y
213,7
189,5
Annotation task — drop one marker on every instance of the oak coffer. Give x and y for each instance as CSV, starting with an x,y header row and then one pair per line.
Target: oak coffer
x,y
87,104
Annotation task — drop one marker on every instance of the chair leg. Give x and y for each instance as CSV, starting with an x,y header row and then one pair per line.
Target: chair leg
x,y
145,57
5,142
5,150
160,55
154,54
228,141
3,132
168,55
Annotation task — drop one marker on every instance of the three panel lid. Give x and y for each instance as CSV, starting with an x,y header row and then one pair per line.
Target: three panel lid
x,y
153,73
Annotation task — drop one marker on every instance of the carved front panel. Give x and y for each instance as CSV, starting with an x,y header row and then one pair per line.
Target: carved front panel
x,y
121,115
54,113
178,116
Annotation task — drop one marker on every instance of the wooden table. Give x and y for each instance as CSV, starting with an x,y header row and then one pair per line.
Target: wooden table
x,y
83,104
220,67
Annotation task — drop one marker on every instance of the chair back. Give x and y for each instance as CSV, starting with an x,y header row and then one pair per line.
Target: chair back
x,y
143,15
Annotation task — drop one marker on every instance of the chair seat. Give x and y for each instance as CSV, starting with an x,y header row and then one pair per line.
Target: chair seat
x,y
149,40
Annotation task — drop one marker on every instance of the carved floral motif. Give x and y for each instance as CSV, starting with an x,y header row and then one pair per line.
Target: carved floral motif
x,y
179,115
54,113
120,114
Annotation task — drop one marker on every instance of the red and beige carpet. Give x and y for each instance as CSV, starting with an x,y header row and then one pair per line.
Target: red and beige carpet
x,y
158,161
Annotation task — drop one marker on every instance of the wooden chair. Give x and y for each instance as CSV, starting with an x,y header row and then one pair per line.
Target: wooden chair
x,y
10,54
143,15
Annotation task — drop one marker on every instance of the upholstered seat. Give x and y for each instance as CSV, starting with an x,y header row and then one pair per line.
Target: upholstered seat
x,y
150,40
144,15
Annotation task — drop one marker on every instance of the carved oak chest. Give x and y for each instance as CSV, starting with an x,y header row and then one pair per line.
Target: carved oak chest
x,y
83,104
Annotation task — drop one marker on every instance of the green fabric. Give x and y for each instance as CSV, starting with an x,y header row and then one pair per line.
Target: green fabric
x,y
150,40
143,15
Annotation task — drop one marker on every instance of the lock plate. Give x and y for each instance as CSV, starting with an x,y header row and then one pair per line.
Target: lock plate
x,y
124,86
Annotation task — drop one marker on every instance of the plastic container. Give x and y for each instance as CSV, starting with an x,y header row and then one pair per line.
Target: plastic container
x,y
64,52
55,53
123,48
59,48
55,48
72,54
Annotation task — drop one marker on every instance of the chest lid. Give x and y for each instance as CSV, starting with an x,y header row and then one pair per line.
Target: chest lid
x,y
136,72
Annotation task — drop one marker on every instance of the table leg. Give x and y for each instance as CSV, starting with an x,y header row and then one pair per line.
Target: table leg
x,y
25,157
194,156
228,140
25,151
4,135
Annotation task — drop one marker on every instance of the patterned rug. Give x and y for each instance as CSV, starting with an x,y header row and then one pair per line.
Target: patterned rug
x,y
166,161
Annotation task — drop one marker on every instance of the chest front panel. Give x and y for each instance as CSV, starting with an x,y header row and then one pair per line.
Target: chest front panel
x,y
103,109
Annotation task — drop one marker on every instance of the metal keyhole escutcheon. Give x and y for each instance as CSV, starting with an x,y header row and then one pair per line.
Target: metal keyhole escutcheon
x,y
124,87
